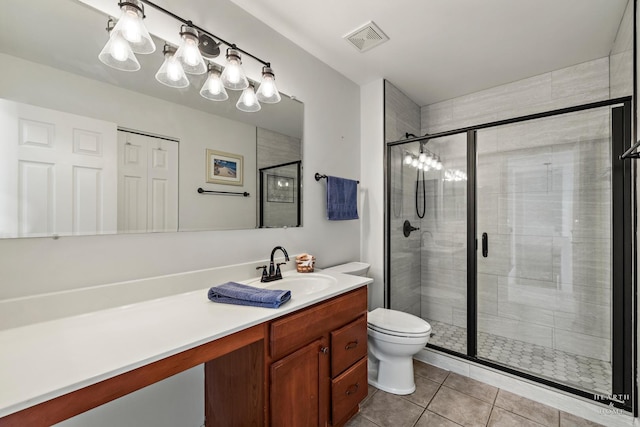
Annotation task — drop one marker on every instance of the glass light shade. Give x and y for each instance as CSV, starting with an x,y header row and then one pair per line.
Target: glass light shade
x,y
118,54
268,91
414,163
189,54
438,165
422,158
132,29
248,102
233,76
171,72
407,159
213,88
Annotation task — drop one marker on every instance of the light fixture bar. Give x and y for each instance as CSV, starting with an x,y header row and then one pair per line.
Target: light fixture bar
x,y
202,30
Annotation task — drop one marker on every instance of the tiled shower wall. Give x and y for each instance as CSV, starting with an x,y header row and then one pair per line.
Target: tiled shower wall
x,y
275,149
402,115
534,306
621,57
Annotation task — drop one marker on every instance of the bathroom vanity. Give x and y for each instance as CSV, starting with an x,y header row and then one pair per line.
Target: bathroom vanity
x,y
291,366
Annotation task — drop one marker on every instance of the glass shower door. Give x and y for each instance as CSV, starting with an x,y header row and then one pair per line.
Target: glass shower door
x,y
428,265
544,233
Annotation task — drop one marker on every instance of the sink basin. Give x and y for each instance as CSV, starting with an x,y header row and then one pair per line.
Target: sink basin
x,y
306,284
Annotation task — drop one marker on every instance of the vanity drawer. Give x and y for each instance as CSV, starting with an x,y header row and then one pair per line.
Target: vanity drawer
x,y
300,328
348,344
348,390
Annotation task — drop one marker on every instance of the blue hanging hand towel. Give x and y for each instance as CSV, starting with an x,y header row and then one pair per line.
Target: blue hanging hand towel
x,y
239,294
342,198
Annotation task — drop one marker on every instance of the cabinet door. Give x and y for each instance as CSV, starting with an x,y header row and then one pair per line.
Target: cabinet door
x,y
298,382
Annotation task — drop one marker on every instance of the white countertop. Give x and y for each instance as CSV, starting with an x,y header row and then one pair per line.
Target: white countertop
x,y
45,360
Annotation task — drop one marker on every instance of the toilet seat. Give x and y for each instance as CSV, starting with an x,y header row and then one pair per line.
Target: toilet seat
x,y
397,323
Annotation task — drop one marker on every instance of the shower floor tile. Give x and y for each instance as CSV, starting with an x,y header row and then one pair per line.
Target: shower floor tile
x,y
581,372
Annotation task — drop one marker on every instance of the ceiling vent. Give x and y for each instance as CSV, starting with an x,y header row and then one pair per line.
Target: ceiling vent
x,y
366,37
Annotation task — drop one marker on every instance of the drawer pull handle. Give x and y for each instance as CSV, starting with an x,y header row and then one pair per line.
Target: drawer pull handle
x,y
324,350
352,389
352,344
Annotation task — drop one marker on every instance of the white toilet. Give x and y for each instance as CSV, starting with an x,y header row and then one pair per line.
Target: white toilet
x,y
394,338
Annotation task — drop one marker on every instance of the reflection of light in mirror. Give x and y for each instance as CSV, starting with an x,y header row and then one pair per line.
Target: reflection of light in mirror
x,y
454,175
117,53
248,101
213,88
171,72
118,49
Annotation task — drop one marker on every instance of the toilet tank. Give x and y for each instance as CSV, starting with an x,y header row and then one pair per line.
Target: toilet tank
x,y
353,268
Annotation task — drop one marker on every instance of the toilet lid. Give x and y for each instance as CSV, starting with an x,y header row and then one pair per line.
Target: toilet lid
x,y
394,321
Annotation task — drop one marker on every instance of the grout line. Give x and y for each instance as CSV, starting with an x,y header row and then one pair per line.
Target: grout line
x,y
490,415
419,417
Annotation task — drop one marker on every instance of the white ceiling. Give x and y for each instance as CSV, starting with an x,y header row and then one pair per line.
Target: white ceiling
x,y
441,49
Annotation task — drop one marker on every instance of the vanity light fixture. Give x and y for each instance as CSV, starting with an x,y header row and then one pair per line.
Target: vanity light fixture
x,y
213,88
188,53
233,76
131,27
171,72
129,36
117,52
268,92
248,101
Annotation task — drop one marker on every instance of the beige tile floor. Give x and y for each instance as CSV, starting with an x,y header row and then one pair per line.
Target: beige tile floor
x,y
446,399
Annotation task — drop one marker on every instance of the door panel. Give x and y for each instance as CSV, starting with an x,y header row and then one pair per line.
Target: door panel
x,y
44,166
295,388
148,183
544,256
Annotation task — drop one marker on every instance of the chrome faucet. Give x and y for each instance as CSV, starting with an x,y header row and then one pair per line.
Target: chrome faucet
x,y
274,268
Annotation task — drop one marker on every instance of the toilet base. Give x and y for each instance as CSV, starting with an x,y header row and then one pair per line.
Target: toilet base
x,y
393,389
374,383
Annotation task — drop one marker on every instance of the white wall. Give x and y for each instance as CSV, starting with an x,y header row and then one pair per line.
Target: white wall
x,y
331,145
372,186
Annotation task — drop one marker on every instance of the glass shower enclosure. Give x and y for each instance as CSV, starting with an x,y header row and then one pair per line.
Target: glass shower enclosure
x,y
518,245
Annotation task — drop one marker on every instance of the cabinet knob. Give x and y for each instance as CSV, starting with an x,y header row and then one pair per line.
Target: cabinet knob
x,y
350,345
324,350
352,389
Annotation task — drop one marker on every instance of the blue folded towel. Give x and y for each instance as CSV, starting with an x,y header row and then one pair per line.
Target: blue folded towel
x,y
236,293
342,198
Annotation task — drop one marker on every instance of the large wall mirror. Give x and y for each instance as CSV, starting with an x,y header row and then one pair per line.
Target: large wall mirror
x,y
87,149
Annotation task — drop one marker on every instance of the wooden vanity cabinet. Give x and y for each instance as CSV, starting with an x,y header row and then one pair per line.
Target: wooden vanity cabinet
x,y
312,370
296,390
317,355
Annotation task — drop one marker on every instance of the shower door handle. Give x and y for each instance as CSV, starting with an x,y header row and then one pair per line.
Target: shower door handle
x,y
485,245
